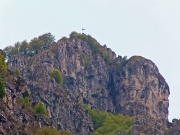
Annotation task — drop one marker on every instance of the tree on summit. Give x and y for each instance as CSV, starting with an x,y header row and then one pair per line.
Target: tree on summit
x,y
47,38
35,45
24,47
32,47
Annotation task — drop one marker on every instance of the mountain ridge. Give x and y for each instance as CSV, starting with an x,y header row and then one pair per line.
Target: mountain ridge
x,y
95,76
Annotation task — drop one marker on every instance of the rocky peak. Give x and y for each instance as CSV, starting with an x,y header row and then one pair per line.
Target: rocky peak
x,y
143,92
95,76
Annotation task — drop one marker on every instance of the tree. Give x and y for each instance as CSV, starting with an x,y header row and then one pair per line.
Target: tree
x,y
2,89
51,131
47,131
74,34
56,74
24,47
12,50
40,109
47,38
8,50
3,66
15,49
93,44
35,45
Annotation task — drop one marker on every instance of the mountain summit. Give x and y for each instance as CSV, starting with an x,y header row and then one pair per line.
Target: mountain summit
x,y
83,88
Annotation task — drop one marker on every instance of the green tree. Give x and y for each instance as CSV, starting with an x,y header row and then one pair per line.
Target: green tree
x,y
56,74
24,47
2,88
40,109
47,38
12,50
93,44
108,123
51,131
123,62
3,66
8,50
47,131
35,45
25,102
15,49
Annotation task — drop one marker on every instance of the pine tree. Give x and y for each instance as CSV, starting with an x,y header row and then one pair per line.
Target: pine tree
x,y
40,109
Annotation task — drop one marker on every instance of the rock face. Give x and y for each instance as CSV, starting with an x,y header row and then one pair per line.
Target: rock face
x,y
13,118
143,92
132,87
173,128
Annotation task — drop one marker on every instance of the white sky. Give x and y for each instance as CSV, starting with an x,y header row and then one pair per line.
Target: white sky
x,y
150,28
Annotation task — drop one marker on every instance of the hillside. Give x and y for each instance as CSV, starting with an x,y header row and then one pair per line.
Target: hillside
x,y
84,87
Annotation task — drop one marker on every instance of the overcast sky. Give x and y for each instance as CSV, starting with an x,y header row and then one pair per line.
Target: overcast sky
x,y
150,28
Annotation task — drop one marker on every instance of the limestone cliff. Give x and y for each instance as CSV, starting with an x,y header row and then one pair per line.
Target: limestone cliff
x,y
132,87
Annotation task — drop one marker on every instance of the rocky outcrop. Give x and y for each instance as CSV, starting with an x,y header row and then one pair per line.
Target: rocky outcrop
x,y
173,127
133,87
142,91
13,118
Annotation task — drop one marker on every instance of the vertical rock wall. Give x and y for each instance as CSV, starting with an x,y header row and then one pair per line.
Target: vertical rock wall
x,y
135,88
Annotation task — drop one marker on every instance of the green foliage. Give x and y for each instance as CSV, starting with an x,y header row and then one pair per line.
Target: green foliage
x,y
56,74
17,72
40,109
26,93
116,123
108,123
123,62
35,45
87,61
3,66
64,38
51,131
15,49
2,89
47,39
47,131
96,133
12,50
93,44
25,102
26,48
8,50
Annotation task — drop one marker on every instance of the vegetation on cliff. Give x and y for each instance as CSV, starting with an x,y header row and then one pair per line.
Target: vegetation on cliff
x,y
17,73
120,85
25,102
123,62
30,48
108,123
40,109
3,66
93,44
3,73
56,74
2,89
50,131
37,43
